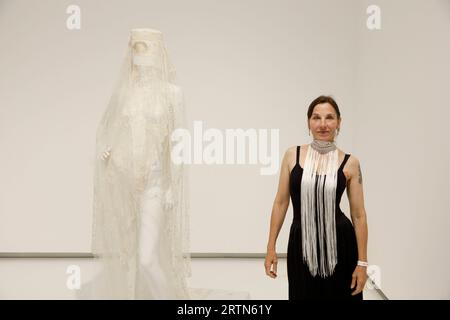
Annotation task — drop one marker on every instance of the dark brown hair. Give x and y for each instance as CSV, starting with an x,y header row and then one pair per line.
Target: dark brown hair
x,y
323,99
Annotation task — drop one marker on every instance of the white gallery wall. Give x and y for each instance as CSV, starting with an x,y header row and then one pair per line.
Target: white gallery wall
x,y
242,64
402,107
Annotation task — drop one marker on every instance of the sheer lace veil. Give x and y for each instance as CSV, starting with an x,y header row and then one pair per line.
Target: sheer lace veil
x,y
144,110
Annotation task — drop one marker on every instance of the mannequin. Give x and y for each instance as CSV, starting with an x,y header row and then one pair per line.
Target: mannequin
x,y
140,229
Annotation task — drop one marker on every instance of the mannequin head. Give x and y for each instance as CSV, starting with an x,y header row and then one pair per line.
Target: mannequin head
x,y
324,118
149,58
147,48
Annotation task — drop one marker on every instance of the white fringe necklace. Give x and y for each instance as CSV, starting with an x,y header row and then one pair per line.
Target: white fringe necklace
x,y
318,201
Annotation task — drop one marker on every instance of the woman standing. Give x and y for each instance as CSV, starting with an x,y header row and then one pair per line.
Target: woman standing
x,y
327,253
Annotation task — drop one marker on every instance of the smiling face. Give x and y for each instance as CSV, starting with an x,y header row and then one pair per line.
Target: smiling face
x,y
324,122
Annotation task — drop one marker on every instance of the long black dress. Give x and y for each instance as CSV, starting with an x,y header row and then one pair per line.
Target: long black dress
x,y
302,285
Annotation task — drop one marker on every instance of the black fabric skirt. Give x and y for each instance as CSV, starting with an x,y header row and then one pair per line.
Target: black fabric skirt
x,y
302,285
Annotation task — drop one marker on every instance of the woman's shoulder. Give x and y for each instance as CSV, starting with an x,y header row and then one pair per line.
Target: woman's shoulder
x,y
352,158
290,151
353,165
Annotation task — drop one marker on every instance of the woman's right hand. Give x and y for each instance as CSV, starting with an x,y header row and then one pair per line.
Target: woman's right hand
x,y
271,263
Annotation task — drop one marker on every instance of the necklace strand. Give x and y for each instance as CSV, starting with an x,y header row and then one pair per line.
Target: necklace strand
x,y
323,146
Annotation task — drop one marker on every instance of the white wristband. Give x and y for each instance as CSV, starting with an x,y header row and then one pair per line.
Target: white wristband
x,y
363,263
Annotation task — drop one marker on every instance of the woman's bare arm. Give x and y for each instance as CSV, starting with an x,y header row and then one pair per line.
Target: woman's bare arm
x,y
355,196
281,202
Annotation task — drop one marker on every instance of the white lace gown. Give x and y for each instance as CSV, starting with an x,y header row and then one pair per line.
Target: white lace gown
x,y
140,224
154,280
